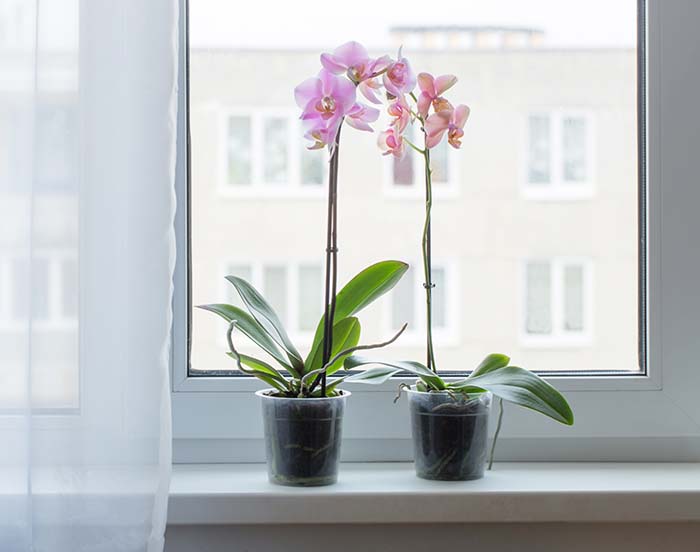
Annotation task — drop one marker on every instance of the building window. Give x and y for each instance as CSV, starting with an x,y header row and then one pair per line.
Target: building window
x,y
406,176
407,304
557,302
265,154
293,290
559,155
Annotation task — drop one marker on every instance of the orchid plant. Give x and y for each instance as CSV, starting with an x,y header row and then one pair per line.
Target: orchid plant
x,y
437,119
327,101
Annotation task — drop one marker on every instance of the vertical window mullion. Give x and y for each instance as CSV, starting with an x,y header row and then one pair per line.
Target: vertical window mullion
x,y
257,122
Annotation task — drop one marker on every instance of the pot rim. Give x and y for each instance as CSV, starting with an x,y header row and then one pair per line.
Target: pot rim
x,y
262,393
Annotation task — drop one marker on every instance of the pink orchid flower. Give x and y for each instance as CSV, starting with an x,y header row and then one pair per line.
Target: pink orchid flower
x,y
326,97
451,122
401,113
352,59
360,115
399,78
321,135
432,89
391,143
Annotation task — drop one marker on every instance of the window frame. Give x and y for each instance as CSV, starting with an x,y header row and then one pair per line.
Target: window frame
x,y
558,188
650,416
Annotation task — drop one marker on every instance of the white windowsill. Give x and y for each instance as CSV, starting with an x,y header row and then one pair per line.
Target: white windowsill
x,y
390,493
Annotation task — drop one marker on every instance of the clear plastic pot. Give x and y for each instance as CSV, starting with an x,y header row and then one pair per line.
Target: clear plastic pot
x,y
450,434
302,438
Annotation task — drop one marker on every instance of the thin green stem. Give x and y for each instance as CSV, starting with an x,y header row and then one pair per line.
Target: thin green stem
x,y
427,261
422,152
498,430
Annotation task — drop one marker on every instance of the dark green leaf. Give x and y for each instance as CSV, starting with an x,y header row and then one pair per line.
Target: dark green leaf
x,y
346,334
266,316
252,329
367,286
526,389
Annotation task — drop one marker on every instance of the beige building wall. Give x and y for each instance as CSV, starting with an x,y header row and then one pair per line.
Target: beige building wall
x,y
486,229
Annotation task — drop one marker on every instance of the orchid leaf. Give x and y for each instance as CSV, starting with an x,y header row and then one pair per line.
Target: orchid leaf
x,y
372,376
423,372
366,287
523,388
266,316
346,334
250,327
494,361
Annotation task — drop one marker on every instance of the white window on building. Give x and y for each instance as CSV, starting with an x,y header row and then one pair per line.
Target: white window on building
x,y
406,176
557,302
407,304
53,285
559,155
265,154
293,289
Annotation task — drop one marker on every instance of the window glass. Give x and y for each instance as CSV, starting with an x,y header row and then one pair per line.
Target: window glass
x,y
274,289
439,297
275,140
540,145
242,271
69,288
573,298
310,301
403,302
539,298
312,166
439,162
574,146
239,151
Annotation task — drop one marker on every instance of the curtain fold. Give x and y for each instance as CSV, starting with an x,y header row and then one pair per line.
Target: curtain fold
x,y
88,99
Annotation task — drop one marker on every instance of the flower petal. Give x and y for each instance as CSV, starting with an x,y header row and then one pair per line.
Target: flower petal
x,y
460,115
437,122
424,101
307,91
359,124
434,140
330,63
351,53
426,83
443,83
367,88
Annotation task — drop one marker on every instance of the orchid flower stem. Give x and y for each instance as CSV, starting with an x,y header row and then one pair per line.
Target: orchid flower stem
x,y
427,261
331,262
422,152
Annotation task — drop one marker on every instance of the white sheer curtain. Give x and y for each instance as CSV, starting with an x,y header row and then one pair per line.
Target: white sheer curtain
x,y
87,155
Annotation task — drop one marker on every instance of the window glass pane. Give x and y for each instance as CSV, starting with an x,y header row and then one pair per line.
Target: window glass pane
x,y
239,151
310,296
538,314
403,170
275,140
313,166
439,162
552,87
439,297
574,149
69,288
242,271
539,149
403,298
274,289
39,278
573,298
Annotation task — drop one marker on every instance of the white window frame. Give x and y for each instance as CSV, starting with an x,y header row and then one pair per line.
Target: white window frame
x,y
558,188
620,417
559,337
258,188
447,336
